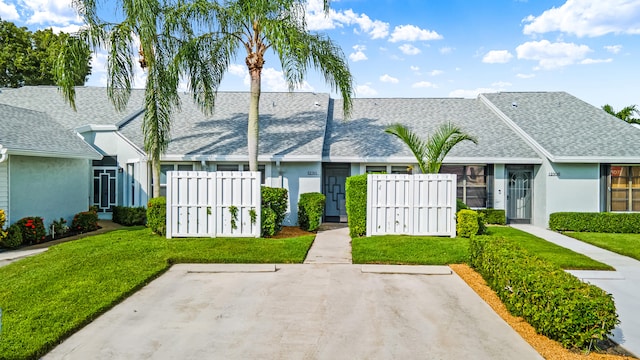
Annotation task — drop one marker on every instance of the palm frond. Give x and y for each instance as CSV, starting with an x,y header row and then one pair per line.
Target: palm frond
x,y
416,145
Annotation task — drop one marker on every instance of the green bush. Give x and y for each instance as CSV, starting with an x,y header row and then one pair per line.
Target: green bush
x,y
85,221
32,228
625,223
268,219
3,219
310,210
13,238
157,215
129,216
277,199
493,216
58,228
554,302
460,205
356,203
467,223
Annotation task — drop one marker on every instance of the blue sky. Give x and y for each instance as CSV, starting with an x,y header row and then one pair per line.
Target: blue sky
x,y
452,48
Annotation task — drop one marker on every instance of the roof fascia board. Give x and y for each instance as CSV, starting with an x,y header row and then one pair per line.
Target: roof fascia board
x,y
412,160
126,120
518,130
241,158
95,128
598,160
60,155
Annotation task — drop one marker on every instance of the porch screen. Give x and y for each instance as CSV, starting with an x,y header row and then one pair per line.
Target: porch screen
x,y
472,183
625,188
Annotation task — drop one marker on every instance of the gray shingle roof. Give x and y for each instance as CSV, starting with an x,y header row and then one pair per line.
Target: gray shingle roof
x,y
569,129
363,136
93,104
292,125
30,132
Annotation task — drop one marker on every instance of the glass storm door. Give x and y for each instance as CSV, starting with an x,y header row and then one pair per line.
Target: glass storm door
x,y
104,188
519,196
334,180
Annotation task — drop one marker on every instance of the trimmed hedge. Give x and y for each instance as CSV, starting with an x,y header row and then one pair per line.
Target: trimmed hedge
x,y
467,223
12,238
310,210
625,223
494,216
85,221
554,302
129,216
268,222
277,199
157,215
356,203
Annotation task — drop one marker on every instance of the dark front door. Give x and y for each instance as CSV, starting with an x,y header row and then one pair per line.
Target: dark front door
x,y
104,188
519,195
334,179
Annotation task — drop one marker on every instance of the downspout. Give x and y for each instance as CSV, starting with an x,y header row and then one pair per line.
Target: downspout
x,y
3,154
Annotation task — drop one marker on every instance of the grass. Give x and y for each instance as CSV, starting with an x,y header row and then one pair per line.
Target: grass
x,y
623,244
425,250
45,298
558,255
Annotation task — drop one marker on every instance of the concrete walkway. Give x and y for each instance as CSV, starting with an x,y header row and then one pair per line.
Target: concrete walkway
x,y
623,284
330,247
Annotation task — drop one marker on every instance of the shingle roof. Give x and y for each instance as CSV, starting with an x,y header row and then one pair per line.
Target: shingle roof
x,y
292,125
30,132
93,104
363,137
569,129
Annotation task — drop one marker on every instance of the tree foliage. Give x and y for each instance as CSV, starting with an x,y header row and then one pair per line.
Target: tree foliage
x,y
430,153
28,58
625,114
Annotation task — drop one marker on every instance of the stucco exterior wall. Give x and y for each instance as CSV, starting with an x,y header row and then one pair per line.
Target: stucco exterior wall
x,y
4,188
540,216
48,187
499,186
573,187
300,178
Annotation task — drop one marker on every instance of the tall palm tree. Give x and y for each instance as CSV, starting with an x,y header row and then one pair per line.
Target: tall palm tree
x,y
625,114
430,153
219,30
142,19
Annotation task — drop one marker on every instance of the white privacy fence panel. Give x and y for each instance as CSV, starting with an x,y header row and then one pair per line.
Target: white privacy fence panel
x,y
213,204
421,204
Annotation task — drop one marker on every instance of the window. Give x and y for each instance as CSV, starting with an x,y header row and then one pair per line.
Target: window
x,y
260,168
625,188
388,169
376,169
170,167
472,183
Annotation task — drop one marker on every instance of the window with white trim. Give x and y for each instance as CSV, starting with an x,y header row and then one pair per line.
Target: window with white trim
x,y
171,167
624,188
472,183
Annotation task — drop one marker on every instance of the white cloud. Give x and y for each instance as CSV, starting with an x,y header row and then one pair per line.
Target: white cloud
x,y
238,70
595,61
409,49
526,76
58,12
423,84
414,68
413,33
69,29
446,50
436,72
497,57
365,90
588,18
462,93
388,79
552,55
501,84
318,20
273,80
614,49
359,55
8,12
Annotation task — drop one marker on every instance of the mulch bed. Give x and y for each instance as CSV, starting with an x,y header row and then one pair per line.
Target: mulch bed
x,y
291,231
546,347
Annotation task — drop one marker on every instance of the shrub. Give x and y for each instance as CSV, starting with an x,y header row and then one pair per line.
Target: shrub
x,y
3,219
626,223
58,228
467,223
13,238
310,210
157,215
460,206
493,216
356,203
554,302
277,199
129,216
32,228
85,221
268,225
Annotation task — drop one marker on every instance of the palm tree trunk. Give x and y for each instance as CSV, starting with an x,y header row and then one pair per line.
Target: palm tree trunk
x,y
155,174
253,124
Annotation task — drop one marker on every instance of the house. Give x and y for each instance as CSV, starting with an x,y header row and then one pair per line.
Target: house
x,y
537,152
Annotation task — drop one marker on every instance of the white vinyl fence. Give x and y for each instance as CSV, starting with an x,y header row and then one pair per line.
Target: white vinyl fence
x,y
421,204
213,204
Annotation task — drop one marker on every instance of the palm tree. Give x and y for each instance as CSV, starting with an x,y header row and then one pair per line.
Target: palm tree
x,y
142,19
625,114
256,26
430,153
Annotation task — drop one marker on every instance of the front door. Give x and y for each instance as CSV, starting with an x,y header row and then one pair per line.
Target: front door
x,y
104,188
519,195
334,180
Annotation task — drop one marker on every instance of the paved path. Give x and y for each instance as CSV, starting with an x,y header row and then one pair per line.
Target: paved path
x,y
330,247
624,283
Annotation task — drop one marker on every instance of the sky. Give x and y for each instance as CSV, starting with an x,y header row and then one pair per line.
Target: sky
x,y
436,48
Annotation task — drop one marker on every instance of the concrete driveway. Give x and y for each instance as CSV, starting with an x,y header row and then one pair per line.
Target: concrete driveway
x,y
297,312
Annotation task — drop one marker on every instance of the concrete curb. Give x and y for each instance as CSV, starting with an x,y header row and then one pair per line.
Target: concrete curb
x,y
225,268
407,269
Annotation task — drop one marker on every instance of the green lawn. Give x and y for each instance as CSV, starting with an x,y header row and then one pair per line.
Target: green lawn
x,y
47,297
562,257
624,244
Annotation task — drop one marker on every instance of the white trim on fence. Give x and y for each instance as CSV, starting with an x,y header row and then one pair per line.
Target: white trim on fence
x,y
199,204
421,204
